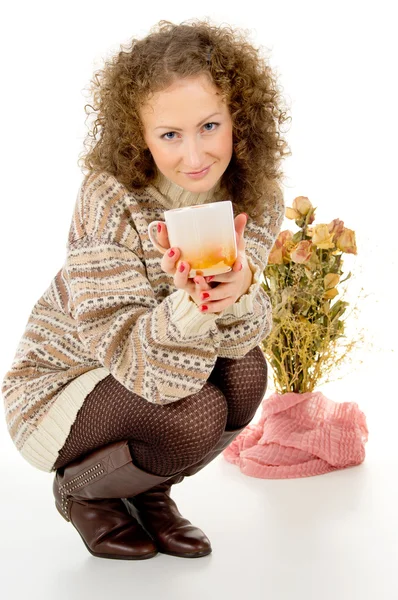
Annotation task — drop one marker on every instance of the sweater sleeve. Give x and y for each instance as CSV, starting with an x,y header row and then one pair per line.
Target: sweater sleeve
x,y
248,321
161,350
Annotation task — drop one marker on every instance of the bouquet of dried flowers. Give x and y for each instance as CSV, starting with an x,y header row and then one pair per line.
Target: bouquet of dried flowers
x,y
302,279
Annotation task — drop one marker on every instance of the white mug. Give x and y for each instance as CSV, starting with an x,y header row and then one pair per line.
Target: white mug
x,y
205,235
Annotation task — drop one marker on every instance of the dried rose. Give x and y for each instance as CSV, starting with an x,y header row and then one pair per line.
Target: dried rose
x,y
291,213
285,238
280,252
336,228
302,205
346,241
321,237
275,256
302,252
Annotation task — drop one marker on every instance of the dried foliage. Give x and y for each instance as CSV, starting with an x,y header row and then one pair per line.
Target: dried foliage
x,y
303,278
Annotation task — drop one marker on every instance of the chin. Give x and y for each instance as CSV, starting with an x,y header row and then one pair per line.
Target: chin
x,y
199,186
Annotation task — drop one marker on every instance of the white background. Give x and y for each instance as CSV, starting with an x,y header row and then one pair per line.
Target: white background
x,y
336,534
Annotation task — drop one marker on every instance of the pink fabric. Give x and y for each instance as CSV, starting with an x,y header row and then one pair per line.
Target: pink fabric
x,y
300,435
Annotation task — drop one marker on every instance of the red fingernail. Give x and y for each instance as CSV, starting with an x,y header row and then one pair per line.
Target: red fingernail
x,y
159,228
205,295
181,267
170,252
241,267
204,307
209,278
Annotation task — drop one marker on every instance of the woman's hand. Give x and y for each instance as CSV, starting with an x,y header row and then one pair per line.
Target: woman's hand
x,y
179,271
229,286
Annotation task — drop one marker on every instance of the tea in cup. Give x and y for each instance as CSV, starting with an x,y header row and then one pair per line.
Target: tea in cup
x,y
205,235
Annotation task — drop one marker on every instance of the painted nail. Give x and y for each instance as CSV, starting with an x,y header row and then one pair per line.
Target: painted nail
x,y
170,252
241,267
205,295
209,278
181,267
159,228
204,307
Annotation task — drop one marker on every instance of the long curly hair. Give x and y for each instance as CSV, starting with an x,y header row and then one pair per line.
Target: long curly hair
x,y
172,52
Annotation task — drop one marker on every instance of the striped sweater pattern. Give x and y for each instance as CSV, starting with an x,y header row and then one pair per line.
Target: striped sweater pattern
x,y
111,309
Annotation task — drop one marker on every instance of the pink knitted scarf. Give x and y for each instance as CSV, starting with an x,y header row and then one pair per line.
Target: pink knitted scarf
x,y
300,435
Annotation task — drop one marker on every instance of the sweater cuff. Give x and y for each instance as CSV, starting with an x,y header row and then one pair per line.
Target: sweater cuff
x,y
187,317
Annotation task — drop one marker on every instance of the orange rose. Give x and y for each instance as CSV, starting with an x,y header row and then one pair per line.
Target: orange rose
x,y
285,236
287,244
275,256
280,251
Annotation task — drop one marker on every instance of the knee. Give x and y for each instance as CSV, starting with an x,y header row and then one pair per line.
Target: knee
x,y
201,419
247,373
254,374
256,357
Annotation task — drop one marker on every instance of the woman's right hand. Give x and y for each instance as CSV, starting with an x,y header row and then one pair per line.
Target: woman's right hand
x,y
181,280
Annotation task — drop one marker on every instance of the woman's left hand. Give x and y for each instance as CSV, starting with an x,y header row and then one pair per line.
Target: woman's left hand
x,y
232,285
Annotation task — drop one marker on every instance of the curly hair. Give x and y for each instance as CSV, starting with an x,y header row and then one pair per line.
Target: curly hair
x,y
172,52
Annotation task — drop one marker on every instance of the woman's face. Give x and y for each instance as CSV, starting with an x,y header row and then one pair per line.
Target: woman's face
x,y
187,127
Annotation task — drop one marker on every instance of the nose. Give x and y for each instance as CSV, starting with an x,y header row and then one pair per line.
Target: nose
x,y
194,155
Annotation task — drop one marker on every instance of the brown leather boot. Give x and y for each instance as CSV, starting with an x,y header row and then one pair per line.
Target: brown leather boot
x,y
88,493
160,517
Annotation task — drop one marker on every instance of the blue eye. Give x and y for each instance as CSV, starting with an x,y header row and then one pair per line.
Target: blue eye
x,y
172,132
210,124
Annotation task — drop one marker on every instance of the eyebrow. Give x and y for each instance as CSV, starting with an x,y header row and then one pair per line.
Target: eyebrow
x,y
177,129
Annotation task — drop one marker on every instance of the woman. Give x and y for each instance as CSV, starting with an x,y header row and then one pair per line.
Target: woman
x,y
129,375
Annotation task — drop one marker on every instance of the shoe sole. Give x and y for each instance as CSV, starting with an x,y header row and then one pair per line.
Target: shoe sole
x,y
195,555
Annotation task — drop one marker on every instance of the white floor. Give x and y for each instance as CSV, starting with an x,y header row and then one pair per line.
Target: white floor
x,y
329,537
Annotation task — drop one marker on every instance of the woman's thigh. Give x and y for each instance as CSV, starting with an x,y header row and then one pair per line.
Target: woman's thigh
x,y
185,429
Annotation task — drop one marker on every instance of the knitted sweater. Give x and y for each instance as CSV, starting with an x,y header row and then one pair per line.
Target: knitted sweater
x,y
111,309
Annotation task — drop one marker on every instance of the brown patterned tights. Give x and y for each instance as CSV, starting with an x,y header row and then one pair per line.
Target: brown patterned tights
x,y
165,439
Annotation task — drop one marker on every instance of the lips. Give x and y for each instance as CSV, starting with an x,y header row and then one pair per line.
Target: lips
x,y
197,172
